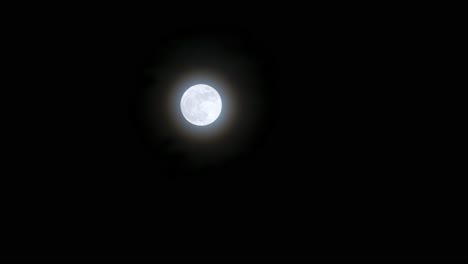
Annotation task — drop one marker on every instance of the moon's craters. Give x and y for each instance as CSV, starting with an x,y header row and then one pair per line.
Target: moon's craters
x,y
201,105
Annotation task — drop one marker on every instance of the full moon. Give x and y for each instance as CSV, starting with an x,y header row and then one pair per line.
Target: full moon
x,y
201,105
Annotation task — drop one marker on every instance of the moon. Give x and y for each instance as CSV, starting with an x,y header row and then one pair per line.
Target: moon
x,y
201,105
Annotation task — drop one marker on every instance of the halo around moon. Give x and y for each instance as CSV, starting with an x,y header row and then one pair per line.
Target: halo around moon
x,y
201,105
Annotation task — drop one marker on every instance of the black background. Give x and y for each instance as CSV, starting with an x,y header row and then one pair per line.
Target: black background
x,y
347,159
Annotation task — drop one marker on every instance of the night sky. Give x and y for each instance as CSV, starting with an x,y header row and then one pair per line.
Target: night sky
x,y
331,154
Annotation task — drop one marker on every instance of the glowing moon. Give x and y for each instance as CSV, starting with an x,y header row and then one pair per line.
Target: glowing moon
x,y
201,105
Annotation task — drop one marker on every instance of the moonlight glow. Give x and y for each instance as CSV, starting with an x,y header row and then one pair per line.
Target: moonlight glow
x,y
201,105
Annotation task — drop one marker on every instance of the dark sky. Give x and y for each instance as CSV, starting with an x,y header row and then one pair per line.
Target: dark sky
x,y
333,153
